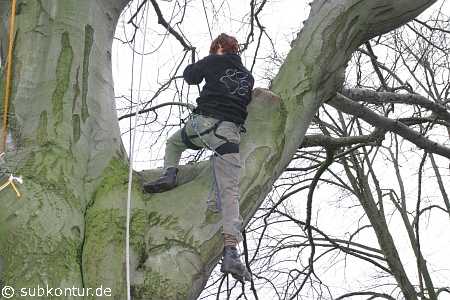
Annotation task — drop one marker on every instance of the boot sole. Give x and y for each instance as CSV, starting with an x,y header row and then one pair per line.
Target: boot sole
x,y
235,276
157,189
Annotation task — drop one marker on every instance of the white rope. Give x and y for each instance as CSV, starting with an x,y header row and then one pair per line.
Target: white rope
x,y
130,171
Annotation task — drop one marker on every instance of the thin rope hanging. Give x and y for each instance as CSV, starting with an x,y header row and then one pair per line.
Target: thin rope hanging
x,y
131,154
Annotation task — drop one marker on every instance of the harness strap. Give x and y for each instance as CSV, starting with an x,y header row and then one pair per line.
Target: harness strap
x,y
226,148
187,138
187,141
206,131
220,136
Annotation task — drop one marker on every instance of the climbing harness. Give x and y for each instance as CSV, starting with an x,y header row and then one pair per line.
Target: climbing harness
x,y
227,147
7,94
187,138
219,151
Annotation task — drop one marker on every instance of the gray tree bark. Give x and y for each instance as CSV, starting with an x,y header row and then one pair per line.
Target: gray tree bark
x,y
68,228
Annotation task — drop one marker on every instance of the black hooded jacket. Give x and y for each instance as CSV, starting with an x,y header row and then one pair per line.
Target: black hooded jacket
x,y
228,86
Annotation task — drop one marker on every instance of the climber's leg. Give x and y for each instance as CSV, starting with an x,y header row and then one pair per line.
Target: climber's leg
x,y
174,148
226,170
185,138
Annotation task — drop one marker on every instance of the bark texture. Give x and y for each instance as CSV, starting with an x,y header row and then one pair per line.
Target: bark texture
x,y
69,227
65,133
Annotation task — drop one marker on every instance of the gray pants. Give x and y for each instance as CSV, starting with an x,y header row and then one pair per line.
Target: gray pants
x,y
226,167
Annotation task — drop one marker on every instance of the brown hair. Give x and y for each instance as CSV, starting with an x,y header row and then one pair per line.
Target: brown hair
x,y
229,44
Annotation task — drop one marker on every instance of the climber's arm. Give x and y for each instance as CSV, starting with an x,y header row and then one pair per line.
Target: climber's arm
x,y
194,73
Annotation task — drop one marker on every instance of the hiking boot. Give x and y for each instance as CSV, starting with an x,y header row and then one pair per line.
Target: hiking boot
x,y
164,183
233,265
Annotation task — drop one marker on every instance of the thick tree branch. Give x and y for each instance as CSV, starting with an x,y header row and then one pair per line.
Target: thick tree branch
x,y
415,121
379,98
348,106
317,140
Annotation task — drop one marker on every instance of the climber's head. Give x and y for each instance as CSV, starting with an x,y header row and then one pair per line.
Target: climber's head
x,y
224,43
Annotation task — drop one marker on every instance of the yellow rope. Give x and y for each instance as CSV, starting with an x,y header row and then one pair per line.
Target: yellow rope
x,y
8,76
10,181
6,97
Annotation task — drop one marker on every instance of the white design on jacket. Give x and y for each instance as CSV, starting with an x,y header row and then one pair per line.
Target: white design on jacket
x,y
237,82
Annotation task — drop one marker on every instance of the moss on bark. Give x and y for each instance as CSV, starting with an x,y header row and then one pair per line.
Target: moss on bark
x,y
63,69
88,41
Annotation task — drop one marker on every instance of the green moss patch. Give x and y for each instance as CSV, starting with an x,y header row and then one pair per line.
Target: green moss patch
x,y
88,41
63,69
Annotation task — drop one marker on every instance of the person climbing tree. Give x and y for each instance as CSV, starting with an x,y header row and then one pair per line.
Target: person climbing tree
x,y
216,123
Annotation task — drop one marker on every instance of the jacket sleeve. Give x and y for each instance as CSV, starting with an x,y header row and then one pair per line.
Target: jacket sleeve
x,y
194,73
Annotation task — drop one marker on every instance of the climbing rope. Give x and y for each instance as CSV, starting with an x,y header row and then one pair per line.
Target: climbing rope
x,y
131,151
6,96
12,20
10,182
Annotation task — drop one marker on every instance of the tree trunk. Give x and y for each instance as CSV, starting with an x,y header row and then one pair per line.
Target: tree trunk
x,y
65,132
68,229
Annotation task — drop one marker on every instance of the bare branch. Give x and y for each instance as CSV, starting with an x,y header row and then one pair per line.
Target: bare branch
x,y
379,98
169,28
373,59
378,295
431,27
328,141
348,106
142,111
440,184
